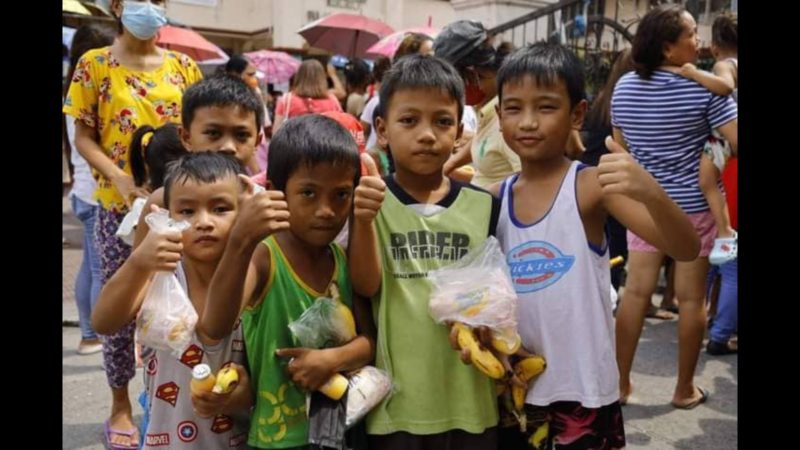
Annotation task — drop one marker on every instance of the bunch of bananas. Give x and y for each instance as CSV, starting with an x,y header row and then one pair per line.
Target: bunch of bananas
x,y
496,364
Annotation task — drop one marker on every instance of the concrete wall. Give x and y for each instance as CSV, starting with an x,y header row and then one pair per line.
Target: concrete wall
x,y
239,15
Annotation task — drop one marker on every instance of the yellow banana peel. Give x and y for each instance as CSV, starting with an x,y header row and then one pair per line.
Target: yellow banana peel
x,y
530,367
227,379
483,359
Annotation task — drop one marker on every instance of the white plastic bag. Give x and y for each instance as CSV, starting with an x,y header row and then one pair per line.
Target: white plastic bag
x,y
367,387
476,290
167,318
128,225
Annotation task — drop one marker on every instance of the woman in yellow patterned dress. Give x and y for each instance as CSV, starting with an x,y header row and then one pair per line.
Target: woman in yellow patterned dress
x,y
113,91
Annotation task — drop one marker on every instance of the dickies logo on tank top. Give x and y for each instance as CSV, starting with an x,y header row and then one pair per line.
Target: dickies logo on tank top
x,y
535,265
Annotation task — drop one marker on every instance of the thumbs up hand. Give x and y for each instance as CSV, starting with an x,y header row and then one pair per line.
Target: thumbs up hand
x,y
261,212
369,192
619,173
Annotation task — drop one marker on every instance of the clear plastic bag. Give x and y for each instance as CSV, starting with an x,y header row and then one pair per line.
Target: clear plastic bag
x,y
128,225
367,387
167,318
476,290
327,323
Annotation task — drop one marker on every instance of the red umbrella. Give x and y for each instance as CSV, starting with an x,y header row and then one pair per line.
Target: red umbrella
x,y
345,34
189,42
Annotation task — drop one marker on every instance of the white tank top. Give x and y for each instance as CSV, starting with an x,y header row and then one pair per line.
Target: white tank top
x,y
564,304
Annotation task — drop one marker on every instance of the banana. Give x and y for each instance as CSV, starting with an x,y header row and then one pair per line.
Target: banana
x,y
501,344
227,379
484,360
529,367
518,393
344,313
540,435
347,317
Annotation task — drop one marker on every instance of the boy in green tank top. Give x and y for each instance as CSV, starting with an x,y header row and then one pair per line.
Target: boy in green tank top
x,y
280,257
426,221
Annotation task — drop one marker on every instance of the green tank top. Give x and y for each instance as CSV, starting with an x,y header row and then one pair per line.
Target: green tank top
x,y
279,418
434,391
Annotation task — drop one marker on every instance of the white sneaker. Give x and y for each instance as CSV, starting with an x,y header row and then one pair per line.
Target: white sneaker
x,y
724,250
90,347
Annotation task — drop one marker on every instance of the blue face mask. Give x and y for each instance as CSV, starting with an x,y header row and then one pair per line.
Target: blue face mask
x,y
143,19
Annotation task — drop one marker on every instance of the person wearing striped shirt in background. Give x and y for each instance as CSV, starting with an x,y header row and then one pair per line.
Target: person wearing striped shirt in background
x,y
664,120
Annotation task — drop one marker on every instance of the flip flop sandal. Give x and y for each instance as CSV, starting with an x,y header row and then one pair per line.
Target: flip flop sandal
x,y
704,394
108,431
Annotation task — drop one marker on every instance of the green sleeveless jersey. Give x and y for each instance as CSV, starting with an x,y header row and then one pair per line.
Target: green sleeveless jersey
x,y
279,418
435,392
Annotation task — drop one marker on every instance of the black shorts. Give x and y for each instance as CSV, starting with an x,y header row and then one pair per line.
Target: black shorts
x,y
449,440
565,426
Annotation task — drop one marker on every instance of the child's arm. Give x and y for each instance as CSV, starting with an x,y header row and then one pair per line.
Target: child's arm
x,y
240,399
122,295
310,369
244,266
156,198
365,264
632,196
716,83
87,141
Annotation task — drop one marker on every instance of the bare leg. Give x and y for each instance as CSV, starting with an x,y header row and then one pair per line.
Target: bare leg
x,y
690,278
122,417
639,287
668,301
709,175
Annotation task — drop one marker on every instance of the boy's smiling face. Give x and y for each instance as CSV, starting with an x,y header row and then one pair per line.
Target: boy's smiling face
x,y
210,209
320,198
536,119
227,129
421,127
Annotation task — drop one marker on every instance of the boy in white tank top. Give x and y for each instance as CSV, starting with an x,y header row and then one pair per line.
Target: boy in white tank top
x,y
551,229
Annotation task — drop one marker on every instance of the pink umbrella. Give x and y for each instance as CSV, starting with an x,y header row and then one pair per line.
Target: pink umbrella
x,y
277,67
388,45
345,34
188,42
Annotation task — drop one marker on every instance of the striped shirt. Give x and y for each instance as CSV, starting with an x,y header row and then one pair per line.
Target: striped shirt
x,y
665,122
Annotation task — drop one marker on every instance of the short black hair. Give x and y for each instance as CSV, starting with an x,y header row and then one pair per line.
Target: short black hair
x,y
380,67
546,63
221,90
724,32
421,72
236,65
201,167
658,27
310,139
357,73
